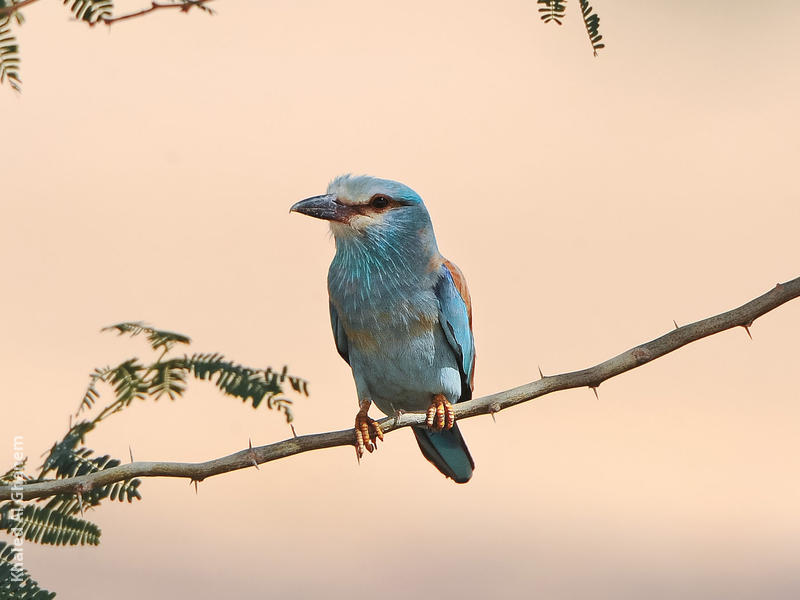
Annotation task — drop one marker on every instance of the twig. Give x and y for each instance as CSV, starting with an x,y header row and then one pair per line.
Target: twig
x,y
591,377
10,10
184,6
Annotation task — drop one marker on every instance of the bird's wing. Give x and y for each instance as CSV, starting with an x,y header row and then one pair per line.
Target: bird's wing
x,y
455,316
339,335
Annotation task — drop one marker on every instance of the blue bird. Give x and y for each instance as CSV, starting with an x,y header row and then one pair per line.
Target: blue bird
x,y
400,312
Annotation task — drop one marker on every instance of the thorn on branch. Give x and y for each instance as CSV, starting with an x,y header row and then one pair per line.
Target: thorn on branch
x,y
747,329
541,375
294,433
594,389
79,489
675,323
194,481
493,410
398,412
130,451
253,454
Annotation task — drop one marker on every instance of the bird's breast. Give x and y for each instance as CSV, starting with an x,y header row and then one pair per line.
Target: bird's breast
x,y
386,324
400,352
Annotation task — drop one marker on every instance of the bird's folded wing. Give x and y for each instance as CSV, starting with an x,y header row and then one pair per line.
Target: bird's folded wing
x,y
339,335
455,316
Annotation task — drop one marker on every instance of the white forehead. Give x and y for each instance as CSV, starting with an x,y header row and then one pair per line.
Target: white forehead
x,y
358,189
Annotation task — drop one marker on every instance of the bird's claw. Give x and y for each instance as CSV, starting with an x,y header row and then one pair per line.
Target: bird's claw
x,y
368,432
440,414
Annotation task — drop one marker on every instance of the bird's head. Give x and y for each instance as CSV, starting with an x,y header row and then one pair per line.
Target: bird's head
x,y
359,206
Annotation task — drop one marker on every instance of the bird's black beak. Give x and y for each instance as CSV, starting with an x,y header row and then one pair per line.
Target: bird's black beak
x,y
323,207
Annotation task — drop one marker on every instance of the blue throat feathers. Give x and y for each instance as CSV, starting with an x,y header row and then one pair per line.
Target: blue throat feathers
x,y
377,263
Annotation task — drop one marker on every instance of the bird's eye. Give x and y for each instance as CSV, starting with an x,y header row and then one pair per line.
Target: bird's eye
x,y
379,201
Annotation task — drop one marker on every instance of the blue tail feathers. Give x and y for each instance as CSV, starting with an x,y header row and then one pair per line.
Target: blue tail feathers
x,y
447,451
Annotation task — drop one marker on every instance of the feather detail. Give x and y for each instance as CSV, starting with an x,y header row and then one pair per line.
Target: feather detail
x,y
447,451
461,285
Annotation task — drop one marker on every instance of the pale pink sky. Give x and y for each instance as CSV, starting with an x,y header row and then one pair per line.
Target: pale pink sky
x,y
147,174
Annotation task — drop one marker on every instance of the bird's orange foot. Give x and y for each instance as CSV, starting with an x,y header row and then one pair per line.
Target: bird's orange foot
x,y
440,414
368,431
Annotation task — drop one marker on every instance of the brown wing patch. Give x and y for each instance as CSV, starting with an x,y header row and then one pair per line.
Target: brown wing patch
x,y
461,285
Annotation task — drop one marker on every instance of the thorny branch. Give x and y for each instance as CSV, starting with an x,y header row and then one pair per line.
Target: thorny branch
x,y
591,377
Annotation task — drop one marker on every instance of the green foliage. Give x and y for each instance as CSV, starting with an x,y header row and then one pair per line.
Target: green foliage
x,y
167,376
56,521
90,11
157,338
14,473
66,460
554,10
128,383
59,457
9,53
592,22
91,395
15,582
45,525
256,385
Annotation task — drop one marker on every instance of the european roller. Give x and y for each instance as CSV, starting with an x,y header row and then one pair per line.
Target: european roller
x,y
400,312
